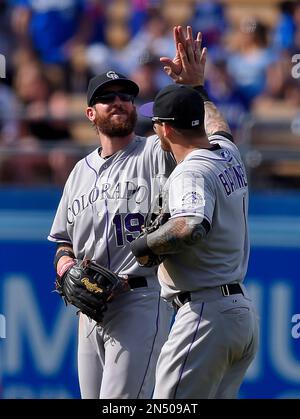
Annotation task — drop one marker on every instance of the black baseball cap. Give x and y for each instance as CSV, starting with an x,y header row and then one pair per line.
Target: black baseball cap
x,y
178,105
97,83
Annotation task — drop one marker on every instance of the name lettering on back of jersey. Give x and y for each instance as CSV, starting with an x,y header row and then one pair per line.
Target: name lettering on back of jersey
x,y
233,178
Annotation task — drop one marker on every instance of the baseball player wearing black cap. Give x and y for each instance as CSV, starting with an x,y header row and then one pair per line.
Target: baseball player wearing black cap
x,y
178,105
100,82
204,244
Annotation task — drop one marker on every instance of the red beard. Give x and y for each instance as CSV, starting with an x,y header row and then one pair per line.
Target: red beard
x,y
116,128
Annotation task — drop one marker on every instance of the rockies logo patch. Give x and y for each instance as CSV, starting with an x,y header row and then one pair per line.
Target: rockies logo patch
x,y
226,155
193,199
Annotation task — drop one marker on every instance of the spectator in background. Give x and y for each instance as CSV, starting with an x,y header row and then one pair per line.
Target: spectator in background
x,y
126,54
95,11
281,96
114,23
133,12
225,95
145,76
7,40
138,14
284,31
248,65
113,52
177,11
9,126
43,113
77,70
51,28
152,41
291,94
296,17
209,18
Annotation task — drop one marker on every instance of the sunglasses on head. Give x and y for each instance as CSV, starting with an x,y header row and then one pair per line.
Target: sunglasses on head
x,y
110,97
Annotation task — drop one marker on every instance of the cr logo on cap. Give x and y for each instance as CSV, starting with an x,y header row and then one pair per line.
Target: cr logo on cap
x,y
112,75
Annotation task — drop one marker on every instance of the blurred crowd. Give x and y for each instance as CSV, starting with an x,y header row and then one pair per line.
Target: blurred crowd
x,y
53,47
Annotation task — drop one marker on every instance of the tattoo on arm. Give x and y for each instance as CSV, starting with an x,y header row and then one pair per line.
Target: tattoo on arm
x,y
176,235
214,120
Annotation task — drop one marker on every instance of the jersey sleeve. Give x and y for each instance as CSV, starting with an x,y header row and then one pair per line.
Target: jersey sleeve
x,y
223,135
191,194
58,232
224,140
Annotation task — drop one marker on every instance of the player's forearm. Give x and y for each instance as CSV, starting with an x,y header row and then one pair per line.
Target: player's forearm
x,y
63,258
64,246
214,120
176,235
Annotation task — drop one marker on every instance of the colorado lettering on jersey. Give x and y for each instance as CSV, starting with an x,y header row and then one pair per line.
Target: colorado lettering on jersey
x,y
233,178
111,193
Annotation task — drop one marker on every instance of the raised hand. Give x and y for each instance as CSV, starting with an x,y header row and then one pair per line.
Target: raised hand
x,y
187,67
175,65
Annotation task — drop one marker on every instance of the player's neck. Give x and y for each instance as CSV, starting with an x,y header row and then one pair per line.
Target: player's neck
x,y
180,151
111,145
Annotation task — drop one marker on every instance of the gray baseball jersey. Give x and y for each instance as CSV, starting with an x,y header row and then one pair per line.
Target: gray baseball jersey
x,y
222,200
104,205
214,336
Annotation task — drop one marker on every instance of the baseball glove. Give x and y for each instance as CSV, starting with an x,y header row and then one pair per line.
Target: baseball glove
x,y
89,287
153,225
